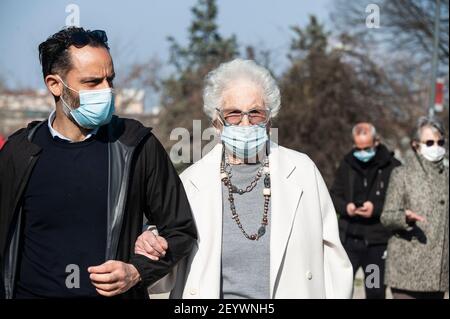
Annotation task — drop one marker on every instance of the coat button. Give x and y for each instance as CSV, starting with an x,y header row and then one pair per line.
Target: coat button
x,y
442,202
309,275
193,291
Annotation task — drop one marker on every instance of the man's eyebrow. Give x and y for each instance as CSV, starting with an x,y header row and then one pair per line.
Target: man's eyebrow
x,y
91,79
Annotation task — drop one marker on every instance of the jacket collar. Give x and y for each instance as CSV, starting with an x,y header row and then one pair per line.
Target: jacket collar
x,y
421,164
127,131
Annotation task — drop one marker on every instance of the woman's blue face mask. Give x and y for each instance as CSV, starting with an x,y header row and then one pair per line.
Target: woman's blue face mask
x,y
244,141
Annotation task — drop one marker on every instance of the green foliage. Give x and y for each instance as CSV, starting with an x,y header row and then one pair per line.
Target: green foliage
x,y
325,91
182,91
207,47
311,40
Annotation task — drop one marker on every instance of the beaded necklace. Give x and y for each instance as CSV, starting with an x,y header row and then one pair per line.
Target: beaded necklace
x,y
226,174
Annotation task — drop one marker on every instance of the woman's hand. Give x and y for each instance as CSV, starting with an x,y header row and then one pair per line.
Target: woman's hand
x,y
151,245
412,217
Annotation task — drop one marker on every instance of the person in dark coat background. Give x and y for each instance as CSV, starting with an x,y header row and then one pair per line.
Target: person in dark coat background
x,y
358,194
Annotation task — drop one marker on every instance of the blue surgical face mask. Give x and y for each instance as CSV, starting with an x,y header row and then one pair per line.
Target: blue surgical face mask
x,y
244,141
96,107
365,155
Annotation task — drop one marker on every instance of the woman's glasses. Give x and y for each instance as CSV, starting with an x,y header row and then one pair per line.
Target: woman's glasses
x,y
235,117
430,143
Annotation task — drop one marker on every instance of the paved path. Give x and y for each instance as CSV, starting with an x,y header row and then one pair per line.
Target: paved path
x,y
358,292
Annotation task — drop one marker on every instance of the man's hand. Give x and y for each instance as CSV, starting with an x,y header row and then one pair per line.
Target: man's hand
x,y
151,245
412,217
366,210
351,208
113,277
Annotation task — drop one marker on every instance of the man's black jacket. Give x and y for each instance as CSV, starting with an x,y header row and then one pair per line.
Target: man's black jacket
x,y
370,181
141,181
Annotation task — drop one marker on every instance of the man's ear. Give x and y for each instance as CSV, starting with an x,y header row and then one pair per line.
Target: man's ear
x,y
377,142
54,84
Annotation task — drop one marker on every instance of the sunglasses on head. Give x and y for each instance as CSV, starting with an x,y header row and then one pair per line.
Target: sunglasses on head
x,y
82,38
430,143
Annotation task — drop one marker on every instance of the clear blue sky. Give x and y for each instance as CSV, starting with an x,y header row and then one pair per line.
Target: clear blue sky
x,y
137,29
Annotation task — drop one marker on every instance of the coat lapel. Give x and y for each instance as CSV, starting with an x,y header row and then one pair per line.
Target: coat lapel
x,y
208,201
286,193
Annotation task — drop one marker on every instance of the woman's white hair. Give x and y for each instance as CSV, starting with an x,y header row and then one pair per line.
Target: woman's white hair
x,y
222,77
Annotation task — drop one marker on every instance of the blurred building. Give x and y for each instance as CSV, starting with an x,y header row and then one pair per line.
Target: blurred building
x,y
18,108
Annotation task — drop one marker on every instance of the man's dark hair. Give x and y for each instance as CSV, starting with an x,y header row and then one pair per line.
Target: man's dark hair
x,y
54,54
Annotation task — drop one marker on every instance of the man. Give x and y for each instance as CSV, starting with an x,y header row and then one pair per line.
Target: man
x,y
74,188
358,194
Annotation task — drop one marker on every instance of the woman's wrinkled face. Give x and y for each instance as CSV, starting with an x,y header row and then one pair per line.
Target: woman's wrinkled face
x,y
242,96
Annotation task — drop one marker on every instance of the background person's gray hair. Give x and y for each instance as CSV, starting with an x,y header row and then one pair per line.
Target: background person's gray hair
x,y
433,123
220,78
372,129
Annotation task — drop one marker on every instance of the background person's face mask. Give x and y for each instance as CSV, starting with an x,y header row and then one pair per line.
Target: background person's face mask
x,y
432,153
96,107
364,155
244,141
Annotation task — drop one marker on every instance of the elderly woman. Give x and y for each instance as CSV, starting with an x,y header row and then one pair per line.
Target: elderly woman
x,y
266,223
416,209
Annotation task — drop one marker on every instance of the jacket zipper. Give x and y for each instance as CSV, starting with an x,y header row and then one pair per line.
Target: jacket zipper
x,y
125,190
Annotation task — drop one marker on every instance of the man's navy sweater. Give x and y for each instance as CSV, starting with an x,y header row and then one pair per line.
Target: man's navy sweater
x,y
65,218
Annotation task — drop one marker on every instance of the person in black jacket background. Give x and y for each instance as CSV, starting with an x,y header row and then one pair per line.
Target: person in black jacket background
x,y
358,194
74,189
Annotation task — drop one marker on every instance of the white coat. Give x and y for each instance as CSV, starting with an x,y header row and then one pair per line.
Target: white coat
x,y
307,259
